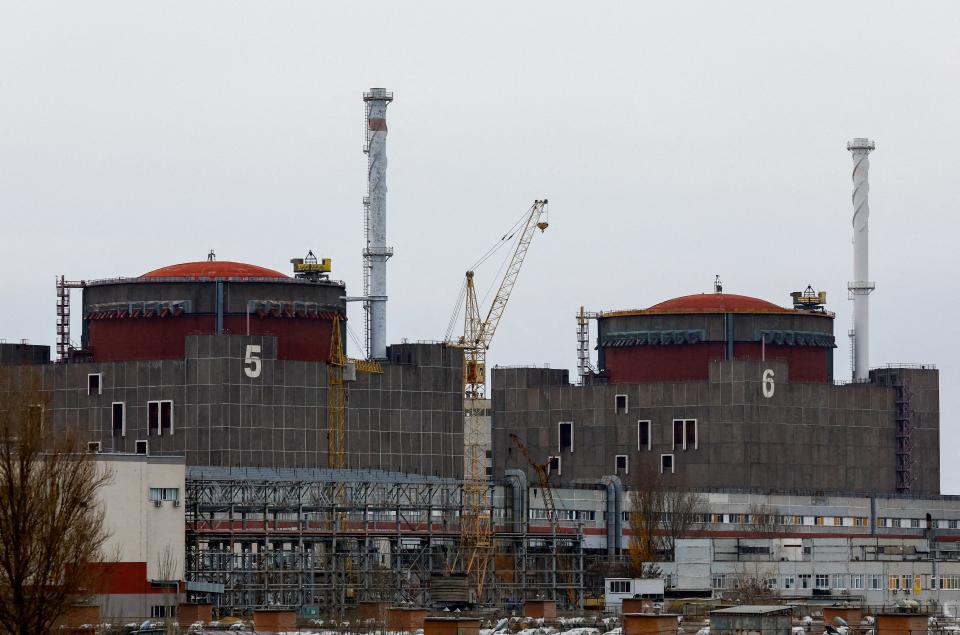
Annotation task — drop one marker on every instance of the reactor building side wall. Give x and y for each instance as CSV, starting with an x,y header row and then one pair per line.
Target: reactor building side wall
x,y
231,402
748,426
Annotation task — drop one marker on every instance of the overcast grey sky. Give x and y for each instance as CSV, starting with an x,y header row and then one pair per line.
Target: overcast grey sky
x,y
674,140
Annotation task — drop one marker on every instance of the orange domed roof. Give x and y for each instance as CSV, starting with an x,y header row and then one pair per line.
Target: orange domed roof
x,y
213,269
708,303
716,303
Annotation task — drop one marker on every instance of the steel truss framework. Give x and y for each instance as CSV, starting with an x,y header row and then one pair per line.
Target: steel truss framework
x,y
294,542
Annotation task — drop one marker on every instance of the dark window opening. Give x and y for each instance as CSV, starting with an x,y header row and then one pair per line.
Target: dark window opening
x,y
141,447
690,442
621,464
489,471
553,465
566,437
153,417
643,435
93,447
489,454
166,416
620,403
93,384
666,463
677,434
119,420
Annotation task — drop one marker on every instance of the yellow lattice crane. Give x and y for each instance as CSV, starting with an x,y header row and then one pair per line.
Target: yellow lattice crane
x,y
340,369
550,507
475,523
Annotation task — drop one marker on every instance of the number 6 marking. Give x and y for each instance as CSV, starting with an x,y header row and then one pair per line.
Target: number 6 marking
x,y
767,383
251,362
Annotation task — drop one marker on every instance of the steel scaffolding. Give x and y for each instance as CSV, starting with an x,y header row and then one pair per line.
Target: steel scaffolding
x,y
293,540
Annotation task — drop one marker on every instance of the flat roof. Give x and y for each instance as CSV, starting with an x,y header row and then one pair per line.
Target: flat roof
x,y
754,609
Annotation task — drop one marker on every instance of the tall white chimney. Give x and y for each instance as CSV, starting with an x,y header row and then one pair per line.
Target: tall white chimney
x,y
861,286
376,252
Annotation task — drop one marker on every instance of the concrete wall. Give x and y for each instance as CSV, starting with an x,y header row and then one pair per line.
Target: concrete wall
x,y
408,419
139,530
800,437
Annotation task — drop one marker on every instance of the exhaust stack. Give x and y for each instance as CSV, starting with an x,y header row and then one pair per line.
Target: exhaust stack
x,y
861,286
376,252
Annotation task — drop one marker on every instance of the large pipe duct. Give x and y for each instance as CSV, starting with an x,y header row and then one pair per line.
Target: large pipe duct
x,y
376,252
861,286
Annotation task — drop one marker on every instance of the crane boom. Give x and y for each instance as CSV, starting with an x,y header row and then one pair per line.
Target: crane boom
x,y
478,334
534,221
562,562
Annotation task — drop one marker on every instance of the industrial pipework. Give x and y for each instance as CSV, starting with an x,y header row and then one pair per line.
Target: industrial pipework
x,y
861,286
376,252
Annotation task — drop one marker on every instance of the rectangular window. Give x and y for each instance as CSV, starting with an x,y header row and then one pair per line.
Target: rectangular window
x,y
820,520
643,435
856,581
685,434
164,494
690,437
893,583
719,581
915,523
93,447
566,436
620,464
952,524
159,417
789,582
876,582
804,579
666,464
95,384
837,521
141,447
822,581
119,410
620,404
619,586
893,522
163,611
153,418
859,521
166,416
553,465
839,581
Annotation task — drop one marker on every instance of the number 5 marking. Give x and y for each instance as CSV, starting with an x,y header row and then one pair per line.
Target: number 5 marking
x,y
251,362
767,383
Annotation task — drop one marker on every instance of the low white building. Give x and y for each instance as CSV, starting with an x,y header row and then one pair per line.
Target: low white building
x,y
142,572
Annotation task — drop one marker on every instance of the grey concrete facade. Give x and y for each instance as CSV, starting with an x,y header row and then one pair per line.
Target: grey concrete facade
x,y
228,410
748,433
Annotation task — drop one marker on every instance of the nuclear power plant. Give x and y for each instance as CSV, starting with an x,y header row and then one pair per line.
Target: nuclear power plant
x,y
319,478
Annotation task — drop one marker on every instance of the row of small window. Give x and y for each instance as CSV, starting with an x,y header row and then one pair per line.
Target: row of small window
x,y
684,435
843,581
913,523
159,417
621,464
564,514
783,519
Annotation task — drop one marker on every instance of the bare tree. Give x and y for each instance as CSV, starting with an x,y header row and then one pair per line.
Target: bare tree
x,y
763,519
168,568
744,588
659,516
51,527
